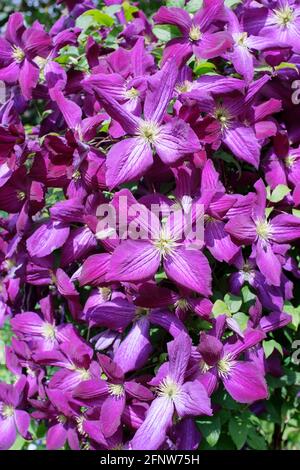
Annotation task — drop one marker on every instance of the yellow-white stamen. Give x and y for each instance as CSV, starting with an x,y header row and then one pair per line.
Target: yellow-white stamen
x,y
168,388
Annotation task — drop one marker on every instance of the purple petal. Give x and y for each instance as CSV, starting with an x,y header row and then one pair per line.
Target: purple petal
x,y
268,263
127,160
243,143
193,400
174,16
135,349
56,437
111,412
47,238
189,268
245,383
161,91
134,261
8,433
151,434
179,351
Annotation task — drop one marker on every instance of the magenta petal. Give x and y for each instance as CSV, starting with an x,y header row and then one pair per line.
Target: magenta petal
x,y
69,109
116,314
127,160
151,434
175,16
193,400
189,268
242,228
28,78
212,45
285,228
47,238
243,143
22,420
268,263
133,261
10,74
94,269
219,242
161,91
111,412
8,433
56,437
168,321
179,351
175,140
245,383
135,349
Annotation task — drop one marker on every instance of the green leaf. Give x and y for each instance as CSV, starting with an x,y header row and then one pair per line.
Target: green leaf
x,y
203,67
129,10
242,320
287,65
18,444
255,440
194,5
165,32
175,3
238,431
210,428
220,308
270,345
279,193
231,3
233,302
95,18
295,314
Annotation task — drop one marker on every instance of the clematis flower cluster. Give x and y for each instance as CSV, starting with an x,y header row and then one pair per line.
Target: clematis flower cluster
x,y
116,340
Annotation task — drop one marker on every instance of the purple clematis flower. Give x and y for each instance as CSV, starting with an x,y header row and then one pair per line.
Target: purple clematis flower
x,y
280,22
138,260
265,233
111,393
198,35
131,157
174,394
242,379
18,50
12,416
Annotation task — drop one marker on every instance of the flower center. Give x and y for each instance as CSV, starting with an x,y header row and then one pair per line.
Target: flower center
x,y
184,87
182,304
263,229
149,131
7,411
165,244
49,331
247,272
241,39
117,390
195,33
76,175
168,388
105,292
61,419
18,54
83,374
223,116
224,366
289,161
284,16
204,367
80,420
132,93
21,195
